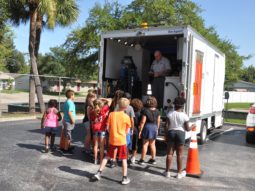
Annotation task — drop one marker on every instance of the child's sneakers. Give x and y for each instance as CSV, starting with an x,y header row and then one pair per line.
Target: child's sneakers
x,y
112,164
96,162
181,175
98,175
132,160
141,162
152,161
167,174
47,150
125,180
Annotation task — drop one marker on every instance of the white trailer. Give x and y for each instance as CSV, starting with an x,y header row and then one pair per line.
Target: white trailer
x,y
198,69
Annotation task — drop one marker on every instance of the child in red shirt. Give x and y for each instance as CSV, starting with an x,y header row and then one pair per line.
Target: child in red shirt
x,y
98,118
118,124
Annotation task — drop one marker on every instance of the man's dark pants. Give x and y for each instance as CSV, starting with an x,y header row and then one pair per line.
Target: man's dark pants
x,y
158,90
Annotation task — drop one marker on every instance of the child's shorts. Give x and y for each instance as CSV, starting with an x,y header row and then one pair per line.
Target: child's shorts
x,y
68,127
87,125
176,137
122,151
99,134
52,130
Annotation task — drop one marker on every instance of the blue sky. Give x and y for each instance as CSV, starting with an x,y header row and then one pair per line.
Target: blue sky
x,y
233,20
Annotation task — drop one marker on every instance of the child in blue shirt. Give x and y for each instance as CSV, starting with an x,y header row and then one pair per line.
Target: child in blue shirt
x,y
69,119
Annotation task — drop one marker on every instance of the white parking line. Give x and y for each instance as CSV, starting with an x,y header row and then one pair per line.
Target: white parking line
x,y
216,134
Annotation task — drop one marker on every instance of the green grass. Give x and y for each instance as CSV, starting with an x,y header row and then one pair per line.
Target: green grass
x,y
236,121
237,105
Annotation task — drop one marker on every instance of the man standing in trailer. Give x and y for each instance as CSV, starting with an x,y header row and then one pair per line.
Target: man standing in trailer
x,y
159,69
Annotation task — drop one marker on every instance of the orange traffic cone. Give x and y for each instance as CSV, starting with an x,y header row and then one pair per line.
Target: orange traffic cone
x,y
62,139
193,165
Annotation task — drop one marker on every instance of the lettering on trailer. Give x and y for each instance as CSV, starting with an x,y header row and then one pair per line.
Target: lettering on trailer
x,y
174,31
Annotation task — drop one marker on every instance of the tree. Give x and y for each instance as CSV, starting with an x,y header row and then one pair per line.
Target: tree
x,y
60,62
39,13
16,63
248,74
6,37
52,63
6,45
82,53
82,44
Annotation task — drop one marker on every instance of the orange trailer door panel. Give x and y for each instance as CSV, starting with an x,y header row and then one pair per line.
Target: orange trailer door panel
x,y
198,82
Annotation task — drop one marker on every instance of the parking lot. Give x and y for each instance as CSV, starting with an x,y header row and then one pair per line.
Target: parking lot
x,y
227,162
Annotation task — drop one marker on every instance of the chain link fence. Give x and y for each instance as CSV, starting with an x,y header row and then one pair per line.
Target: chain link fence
x,y
14,92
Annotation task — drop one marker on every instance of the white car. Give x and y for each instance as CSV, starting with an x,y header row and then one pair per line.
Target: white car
x,y
250,125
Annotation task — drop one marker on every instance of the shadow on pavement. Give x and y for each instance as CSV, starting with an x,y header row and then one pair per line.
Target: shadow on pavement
x,y
75,171
149,169
110,179
39,148
76,155
36,131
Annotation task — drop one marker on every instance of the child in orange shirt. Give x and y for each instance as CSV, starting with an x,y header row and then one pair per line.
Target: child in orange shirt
x,y
117,124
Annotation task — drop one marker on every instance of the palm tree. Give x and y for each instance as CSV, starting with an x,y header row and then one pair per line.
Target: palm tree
x,y
40,13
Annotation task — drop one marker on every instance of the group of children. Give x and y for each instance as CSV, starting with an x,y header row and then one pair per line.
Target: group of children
x,y
50,122
116,125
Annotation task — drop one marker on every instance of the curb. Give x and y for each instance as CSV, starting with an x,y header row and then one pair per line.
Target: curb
x,y
17,118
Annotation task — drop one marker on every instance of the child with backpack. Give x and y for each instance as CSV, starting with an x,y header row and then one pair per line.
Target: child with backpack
x,y
50,124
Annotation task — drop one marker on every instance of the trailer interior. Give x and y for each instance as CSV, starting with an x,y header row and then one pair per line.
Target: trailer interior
x,y
141,51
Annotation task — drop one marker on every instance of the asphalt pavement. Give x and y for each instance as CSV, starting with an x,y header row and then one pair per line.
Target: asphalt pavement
x,y
227,162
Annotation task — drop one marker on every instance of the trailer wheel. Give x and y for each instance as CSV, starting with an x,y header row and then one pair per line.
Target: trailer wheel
x,y
203,133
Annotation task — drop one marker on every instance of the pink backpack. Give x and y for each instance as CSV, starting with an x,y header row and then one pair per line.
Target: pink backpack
x,y
51,119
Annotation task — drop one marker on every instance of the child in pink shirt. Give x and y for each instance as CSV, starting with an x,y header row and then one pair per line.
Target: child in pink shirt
x,y
50,124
